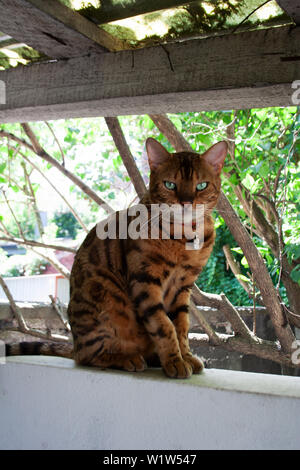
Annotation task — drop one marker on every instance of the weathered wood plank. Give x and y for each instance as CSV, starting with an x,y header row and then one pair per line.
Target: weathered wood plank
x,y
292,8
253,69
54,29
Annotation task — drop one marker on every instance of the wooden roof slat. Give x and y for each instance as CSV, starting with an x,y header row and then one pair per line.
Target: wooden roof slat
x,y
54,29
187,76
292,8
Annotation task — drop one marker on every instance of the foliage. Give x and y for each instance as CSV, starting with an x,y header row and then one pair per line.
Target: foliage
x,y
23,265
266,165
216,277
67,225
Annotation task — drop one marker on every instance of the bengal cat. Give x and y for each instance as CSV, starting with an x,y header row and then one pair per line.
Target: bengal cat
x,y
130,297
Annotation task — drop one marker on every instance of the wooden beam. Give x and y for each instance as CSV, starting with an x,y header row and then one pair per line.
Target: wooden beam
x,y
252,69
54,29
292,8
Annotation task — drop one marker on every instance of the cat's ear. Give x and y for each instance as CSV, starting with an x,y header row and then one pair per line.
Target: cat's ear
x,y
157,154
216,155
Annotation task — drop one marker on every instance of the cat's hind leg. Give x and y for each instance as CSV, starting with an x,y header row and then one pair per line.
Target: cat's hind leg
x,y
105,331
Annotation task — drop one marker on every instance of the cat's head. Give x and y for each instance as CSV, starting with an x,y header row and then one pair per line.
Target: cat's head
x,y
185,177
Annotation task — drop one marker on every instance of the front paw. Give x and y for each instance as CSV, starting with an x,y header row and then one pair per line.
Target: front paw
x,y
178,368
194,361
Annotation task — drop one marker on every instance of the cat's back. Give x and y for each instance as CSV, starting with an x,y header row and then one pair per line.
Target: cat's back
x,y
98,257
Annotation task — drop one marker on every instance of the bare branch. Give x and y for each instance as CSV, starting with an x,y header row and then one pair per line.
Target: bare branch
x,y
54,261
221,303
13,215
77,217
260,272
235,268
33,201
14,308
40,152
126,155
34,243
22,327
60,314
213,337
255,260
260,348
166,127
46,255
57,142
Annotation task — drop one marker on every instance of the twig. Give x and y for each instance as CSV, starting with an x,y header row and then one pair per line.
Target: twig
x,y
55,263
13,215
248,16
22,327
57,142
252,275
47,256
262,348
77,217
40,152
282,211
275,186
213,338
166,127
60,313
221,303
255,260
126,155
33,201
259,270
43,154
34,243
235,268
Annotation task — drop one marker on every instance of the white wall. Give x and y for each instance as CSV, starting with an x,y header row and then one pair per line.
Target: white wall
x,y
37,288
47,403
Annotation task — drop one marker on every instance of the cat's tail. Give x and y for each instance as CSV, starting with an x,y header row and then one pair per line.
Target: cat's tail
x,y
34,348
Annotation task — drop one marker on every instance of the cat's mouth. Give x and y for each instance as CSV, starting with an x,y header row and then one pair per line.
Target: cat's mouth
x,y
187,214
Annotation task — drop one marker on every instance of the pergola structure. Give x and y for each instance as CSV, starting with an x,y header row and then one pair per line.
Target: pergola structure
x,y
79,69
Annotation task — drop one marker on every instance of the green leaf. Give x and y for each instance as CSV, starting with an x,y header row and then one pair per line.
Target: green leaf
x,y
243,278
295,274
244,262
248,181
176,121
234,179
237,250
148,123
2,167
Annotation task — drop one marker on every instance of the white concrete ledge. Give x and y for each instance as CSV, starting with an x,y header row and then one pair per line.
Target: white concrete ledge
x,y
48,403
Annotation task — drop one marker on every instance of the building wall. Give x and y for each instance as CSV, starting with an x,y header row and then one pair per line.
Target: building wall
x,y
48,403
37,288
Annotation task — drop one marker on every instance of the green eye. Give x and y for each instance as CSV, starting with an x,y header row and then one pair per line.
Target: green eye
x,y
170,185
201,186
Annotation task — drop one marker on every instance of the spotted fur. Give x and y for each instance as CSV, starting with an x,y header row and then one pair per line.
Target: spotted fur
x,y
130,298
